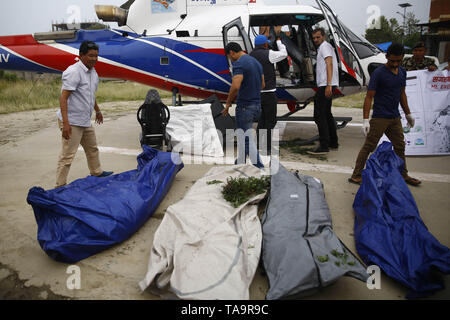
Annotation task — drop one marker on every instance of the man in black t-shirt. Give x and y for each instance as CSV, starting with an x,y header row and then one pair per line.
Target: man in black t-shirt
x,y
387,88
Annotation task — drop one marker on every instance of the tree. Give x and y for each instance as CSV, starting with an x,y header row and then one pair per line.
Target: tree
x,y
388,31
412,32
396,29
391,31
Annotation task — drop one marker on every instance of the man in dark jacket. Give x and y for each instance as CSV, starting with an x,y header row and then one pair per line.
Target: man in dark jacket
x,y
268,58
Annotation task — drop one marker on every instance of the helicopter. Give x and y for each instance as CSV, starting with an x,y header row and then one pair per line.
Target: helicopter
x,y
178,46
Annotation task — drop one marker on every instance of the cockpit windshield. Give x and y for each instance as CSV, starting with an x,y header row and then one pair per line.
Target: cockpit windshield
x,y
363,47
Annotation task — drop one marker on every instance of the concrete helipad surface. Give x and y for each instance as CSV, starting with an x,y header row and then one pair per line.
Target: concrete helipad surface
x,y
29,159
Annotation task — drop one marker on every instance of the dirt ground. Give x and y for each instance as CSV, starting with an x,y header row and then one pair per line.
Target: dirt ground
x,y
12,288
19,281
16,126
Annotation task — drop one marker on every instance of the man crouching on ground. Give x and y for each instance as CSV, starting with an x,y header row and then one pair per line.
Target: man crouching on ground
x,y
387,89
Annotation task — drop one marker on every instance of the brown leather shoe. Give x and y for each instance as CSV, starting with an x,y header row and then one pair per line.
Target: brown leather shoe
x,y
355,180
412,181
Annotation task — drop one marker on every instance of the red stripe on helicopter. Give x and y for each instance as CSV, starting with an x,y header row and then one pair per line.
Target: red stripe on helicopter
x,y
216,51
41,54
350,70
17,40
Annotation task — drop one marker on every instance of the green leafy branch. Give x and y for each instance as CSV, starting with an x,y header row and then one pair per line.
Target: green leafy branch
x,y
239,190
341,258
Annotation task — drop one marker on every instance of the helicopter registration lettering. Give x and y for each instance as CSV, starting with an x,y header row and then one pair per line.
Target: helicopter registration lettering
x,y
4,57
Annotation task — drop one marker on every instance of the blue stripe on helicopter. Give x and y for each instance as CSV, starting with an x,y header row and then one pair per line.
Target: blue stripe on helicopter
x,y
10,61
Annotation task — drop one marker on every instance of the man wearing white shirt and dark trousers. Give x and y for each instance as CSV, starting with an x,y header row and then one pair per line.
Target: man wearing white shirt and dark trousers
x,y
77,102
327,79
268,58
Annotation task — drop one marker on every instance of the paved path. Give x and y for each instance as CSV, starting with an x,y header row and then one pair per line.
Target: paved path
x,y
29,159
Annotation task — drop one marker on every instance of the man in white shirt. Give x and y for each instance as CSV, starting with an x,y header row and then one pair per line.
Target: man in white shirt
x,y
77,101
327,78
268,58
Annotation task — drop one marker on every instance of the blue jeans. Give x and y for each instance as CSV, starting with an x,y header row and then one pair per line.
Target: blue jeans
x,y
245,116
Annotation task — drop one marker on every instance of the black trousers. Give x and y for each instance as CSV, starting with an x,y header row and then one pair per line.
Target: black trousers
x,y
268,118
324,119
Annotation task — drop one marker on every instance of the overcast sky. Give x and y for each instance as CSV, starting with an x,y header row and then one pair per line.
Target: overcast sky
x,y
27,17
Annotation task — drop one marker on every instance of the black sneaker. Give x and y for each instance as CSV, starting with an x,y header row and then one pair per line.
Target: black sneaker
x,y
334,146
318,151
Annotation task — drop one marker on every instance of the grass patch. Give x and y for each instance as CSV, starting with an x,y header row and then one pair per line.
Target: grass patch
x,y
300,150
124,91
293,147
295,143
23,95
352,101
239,190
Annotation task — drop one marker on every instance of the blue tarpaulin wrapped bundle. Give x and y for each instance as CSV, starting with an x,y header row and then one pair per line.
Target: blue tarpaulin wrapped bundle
x,y
389,231
92,214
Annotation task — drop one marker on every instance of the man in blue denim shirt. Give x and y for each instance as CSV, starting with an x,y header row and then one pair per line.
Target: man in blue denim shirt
x,y
247,82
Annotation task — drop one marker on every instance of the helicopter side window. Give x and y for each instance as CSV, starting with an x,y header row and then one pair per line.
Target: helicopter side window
x,y
350,59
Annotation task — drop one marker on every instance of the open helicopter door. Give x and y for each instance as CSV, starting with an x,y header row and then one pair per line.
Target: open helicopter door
x,y
348,60
234,31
